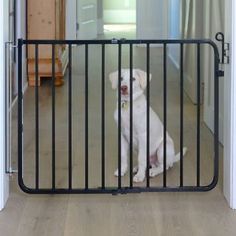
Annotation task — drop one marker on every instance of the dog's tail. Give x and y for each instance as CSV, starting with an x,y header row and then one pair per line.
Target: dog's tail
x,y
177,157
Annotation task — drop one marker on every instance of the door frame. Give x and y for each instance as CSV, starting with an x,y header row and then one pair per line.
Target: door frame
x,y
229,178
4,178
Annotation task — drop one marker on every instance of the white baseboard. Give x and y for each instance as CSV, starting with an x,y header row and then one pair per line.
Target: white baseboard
x,y
209,120
25,87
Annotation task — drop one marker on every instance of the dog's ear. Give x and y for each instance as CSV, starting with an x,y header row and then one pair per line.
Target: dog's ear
x,y
142,75
114,79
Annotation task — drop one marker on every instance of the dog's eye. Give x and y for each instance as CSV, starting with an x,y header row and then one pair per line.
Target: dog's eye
x,y
133,79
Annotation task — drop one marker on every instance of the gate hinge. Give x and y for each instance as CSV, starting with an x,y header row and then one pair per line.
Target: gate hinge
x,y
11,44
225,48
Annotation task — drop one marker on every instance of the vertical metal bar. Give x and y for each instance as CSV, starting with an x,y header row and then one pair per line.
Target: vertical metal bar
x,y
86,117
181,112
26,32
20,114
165,113
216,117
148,116
10,110
36,119
70,119
119,115
103,116
53,120
198,113
131,116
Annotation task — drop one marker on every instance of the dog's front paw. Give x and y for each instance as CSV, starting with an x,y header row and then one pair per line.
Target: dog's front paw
x,y
139,177
123,172
153,172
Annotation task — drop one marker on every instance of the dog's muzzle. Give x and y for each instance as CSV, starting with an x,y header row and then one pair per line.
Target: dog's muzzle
x,y
124,90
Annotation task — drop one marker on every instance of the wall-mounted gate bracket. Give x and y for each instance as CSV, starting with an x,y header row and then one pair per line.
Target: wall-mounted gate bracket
x,y
224,48
11,44
8,107
11,171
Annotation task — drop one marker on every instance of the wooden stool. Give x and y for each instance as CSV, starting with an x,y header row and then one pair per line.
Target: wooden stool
x,y
59,81
45,71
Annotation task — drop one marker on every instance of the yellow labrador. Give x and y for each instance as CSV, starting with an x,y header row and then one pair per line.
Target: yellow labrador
x,y
139,82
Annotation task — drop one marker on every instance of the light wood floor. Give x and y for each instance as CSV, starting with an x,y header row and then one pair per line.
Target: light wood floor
x,y
135,214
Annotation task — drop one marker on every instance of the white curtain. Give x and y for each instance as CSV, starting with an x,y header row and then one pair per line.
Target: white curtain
x,y
213,23
191,28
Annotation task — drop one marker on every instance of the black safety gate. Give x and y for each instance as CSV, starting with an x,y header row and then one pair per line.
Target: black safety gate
x,y
119,188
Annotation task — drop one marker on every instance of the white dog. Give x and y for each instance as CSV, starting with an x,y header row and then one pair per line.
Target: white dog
x,y
139,81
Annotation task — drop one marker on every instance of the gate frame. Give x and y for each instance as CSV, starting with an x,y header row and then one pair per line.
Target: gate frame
x,y
119,190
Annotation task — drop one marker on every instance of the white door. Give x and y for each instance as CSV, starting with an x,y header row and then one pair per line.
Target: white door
x,y
152,19
71,19
86,19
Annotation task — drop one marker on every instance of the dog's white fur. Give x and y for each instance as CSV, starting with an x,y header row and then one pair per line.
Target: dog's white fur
x,y
139,128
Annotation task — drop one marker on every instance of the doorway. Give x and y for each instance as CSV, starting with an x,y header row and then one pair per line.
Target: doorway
x,y
119,18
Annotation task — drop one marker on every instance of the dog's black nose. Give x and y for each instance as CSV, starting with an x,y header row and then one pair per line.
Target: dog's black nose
x,y
124,88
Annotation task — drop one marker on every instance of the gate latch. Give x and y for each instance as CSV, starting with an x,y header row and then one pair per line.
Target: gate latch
x,y
116,41
224,48
220,73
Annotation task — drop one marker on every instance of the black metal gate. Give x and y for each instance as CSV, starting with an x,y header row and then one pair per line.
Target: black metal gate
x,y
119,188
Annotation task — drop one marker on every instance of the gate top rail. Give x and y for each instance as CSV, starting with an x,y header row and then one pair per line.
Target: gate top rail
x,y
118,41
122,41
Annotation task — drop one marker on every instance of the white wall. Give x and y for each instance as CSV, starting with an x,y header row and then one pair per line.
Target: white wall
x,y
4,35
152,19
4,181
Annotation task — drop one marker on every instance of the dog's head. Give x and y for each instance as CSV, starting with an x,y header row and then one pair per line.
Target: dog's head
x,y
139,81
